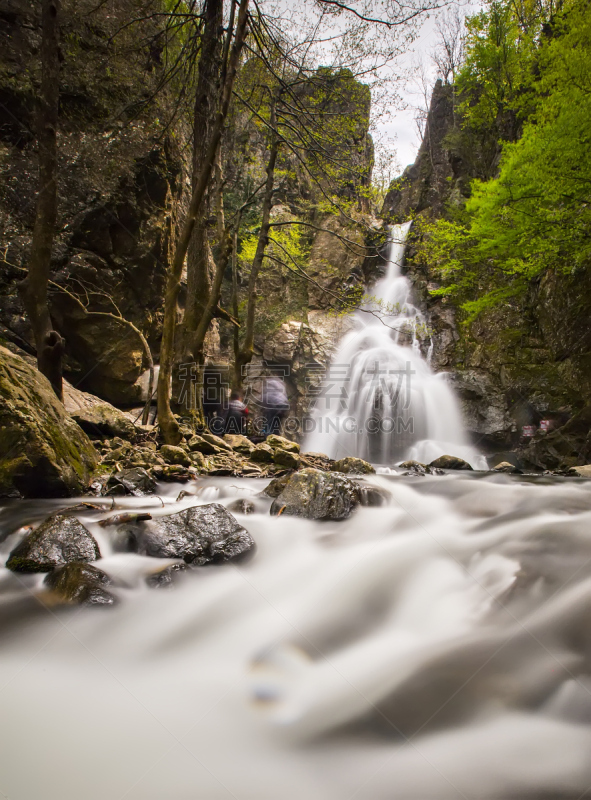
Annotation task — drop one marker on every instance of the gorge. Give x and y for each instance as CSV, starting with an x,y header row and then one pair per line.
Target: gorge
x,y
379,587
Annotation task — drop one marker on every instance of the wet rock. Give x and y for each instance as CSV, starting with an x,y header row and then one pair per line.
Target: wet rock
x,y
199,535
286,459
167,577
136,482
80,583
242,506
506,466
281,442
450,462
314,494
104,420
581,472
262,453
277,485
43,452
352,465
412,465
57,541
239,443
175,455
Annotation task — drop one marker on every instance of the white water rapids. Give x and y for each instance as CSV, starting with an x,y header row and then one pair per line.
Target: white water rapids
x,y
437,647
381,401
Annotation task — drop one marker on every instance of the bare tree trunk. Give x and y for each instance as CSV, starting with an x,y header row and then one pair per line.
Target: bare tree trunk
x,y
34,287
246,352
236,381
206,98
167,422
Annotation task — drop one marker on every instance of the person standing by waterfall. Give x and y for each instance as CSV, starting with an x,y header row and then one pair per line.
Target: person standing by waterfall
x,y
275,404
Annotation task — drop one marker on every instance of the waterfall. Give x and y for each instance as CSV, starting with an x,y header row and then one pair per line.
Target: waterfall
x,y
380,400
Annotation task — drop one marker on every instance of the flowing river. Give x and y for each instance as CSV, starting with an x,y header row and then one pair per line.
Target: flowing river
x,y
435,647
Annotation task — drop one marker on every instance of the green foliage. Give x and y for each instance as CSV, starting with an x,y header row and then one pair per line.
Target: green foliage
x,y
536,214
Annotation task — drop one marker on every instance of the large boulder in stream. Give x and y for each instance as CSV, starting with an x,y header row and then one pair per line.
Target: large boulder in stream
x,y
450,462
43,453
315,494
199,535
57,541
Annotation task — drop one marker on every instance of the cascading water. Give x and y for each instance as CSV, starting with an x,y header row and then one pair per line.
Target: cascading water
x,y
381,401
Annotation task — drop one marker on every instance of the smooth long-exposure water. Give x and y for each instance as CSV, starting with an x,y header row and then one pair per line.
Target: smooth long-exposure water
x,y
435,647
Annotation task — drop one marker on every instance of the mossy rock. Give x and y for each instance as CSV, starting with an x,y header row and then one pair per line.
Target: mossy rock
x,y
282,443
43,452
314,494
104,420
286,459
175,455
262,453
354,465
239,443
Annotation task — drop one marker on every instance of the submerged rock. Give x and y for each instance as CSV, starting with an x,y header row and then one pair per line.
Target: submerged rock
x,y
104,420
80,583
199,535
354,465
43,452
314,494
450,462
57,541
242,506
166,578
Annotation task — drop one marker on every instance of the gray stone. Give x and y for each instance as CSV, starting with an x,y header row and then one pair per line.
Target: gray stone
x,y
57,541
199,535
317,495
136,482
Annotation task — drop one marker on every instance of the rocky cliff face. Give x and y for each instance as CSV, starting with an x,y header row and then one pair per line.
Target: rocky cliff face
x,y
522,362
120,186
